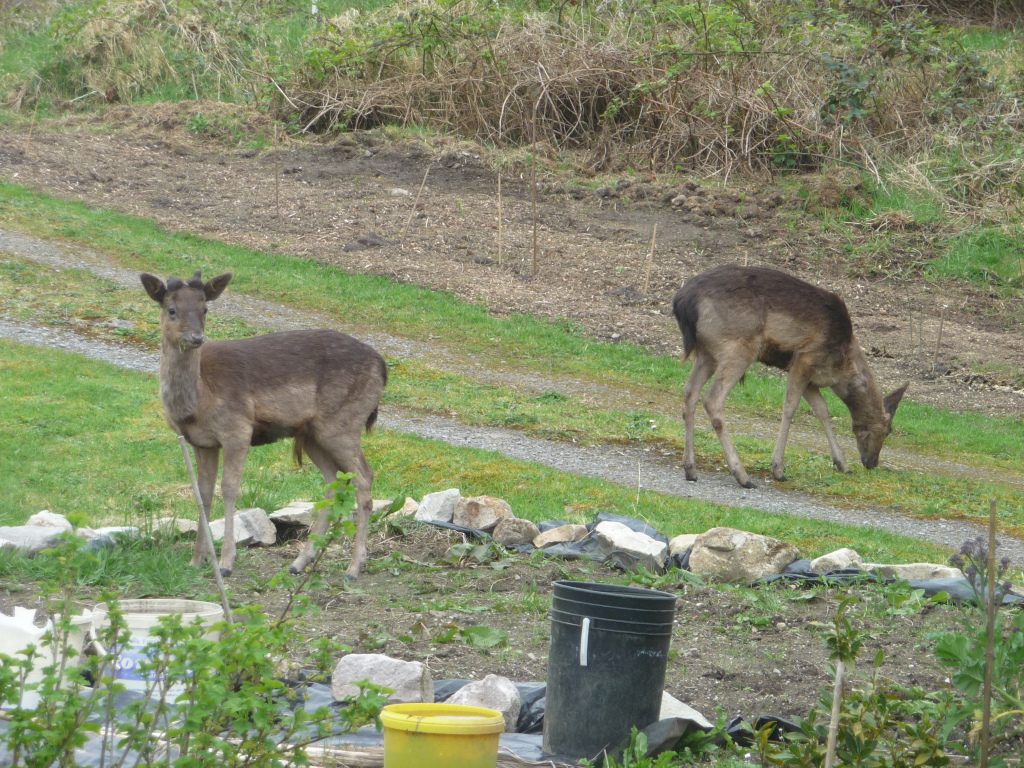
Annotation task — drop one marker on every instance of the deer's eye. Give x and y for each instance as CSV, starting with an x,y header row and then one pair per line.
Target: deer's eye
x,y
171,311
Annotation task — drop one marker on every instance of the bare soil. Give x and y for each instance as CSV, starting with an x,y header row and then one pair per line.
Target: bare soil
x,y
351,201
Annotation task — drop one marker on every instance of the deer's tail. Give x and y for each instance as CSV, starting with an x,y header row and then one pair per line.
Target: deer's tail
x,y
684,308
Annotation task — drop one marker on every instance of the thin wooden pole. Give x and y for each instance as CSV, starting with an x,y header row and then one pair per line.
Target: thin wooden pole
x,y
205,526
833,726
990,610
533,183
650,259
277,177
415,205
499,219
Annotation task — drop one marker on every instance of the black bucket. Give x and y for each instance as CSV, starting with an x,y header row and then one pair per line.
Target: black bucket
x,y
606,666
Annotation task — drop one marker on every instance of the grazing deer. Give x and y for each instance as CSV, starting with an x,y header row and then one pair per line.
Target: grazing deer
x,y
732,316
320,387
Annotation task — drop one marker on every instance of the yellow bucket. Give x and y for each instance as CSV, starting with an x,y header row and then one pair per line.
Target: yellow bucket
x,y
440,735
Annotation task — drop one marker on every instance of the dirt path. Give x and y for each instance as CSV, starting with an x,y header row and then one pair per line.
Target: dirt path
x,y
625,465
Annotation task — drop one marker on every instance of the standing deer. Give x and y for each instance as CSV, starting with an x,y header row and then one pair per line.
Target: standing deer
x,y
732,316
320,387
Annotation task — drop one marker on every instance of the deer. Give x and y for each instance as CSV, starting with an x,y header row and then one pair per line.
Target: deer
x,y
320,387
732,317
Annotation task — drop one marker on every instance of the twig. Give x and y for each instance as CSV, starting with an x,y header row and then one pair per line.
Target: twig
x,y
205,530
415,205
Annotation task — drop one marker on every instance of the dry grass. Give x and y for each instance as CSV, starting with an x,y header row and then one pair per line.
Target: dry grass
x,y
652,94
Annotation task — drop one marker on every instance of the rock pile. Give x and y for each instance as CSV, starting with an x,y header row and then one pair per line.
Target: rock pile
x,y
719,554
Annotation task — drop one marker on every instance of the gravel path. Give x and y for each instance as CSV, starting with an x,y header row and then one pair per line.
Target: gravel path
x,y
625,465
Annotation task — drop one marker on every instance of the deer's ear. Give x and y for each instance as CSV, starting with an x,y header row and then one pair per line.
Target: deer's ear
x,y
892,400
154,287
215,287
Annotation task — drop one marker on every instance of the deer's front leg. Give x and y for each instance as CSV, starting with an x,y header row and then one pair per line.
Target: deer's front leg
x,y
819,408
231,483
208,462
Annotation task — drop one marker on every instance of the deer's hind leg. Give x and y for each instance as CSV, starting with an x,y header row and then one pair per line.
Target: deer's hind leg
x,y
703,368
728,375
341,456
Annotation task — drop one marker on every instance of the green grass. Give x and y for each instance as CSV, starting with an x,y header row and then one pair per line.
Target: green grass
x,y
984,256
34,293
81,436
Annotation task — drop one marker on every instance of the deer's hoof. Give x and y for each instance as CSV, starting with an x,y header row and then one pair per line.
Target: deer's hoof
x,y
293,570
748,484
225,572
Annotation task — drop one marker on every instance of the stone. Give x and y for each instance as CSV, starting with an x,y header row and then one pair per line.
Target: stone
x,y
438,507
493,692
680,544
296,514
252,527
481,513
30,540
726,554
122,531
381,505
48,519
179,524
410,680
512,531
673,707
409,509
910,571
836,561
618,537
561,535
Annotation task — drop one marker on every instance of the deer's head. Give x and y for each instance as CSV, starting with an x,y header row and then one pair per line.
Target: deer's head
x,y
183,306
871,436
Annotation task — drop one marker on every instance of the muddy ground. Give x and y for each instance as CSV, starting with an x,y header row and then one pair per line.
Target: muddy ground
x,y
348,200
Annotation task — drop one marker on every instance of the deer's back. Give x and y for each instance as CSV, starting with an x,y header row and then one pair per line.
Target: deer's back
x,y
767,314
320,365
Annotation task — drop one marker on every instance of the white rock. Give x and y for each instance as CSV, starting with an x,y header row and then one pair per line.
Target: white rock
x,y
126,531
681,543
48,519
673,707
513,531
482,513
493,692
399,192
297,513
380,505
30,540
560,535
617,536
910,571
726,554
410,680
438,507
835,561
252,527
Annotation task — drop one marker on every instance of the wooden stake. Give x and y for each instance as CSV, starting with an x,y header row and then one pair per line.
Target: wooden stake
x,y
28,141
414,205
533,182
650,259
277,177
942,317
205,530
833,726
990,610
499,219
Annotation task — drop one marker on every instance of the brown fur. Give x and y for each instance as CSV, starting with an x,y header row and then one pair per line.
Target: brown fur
x,y
732,317
320,387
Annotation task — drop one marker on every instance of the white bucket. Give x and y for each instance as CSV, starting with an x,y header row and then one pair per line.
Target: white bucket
x,y
141,616
19,631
